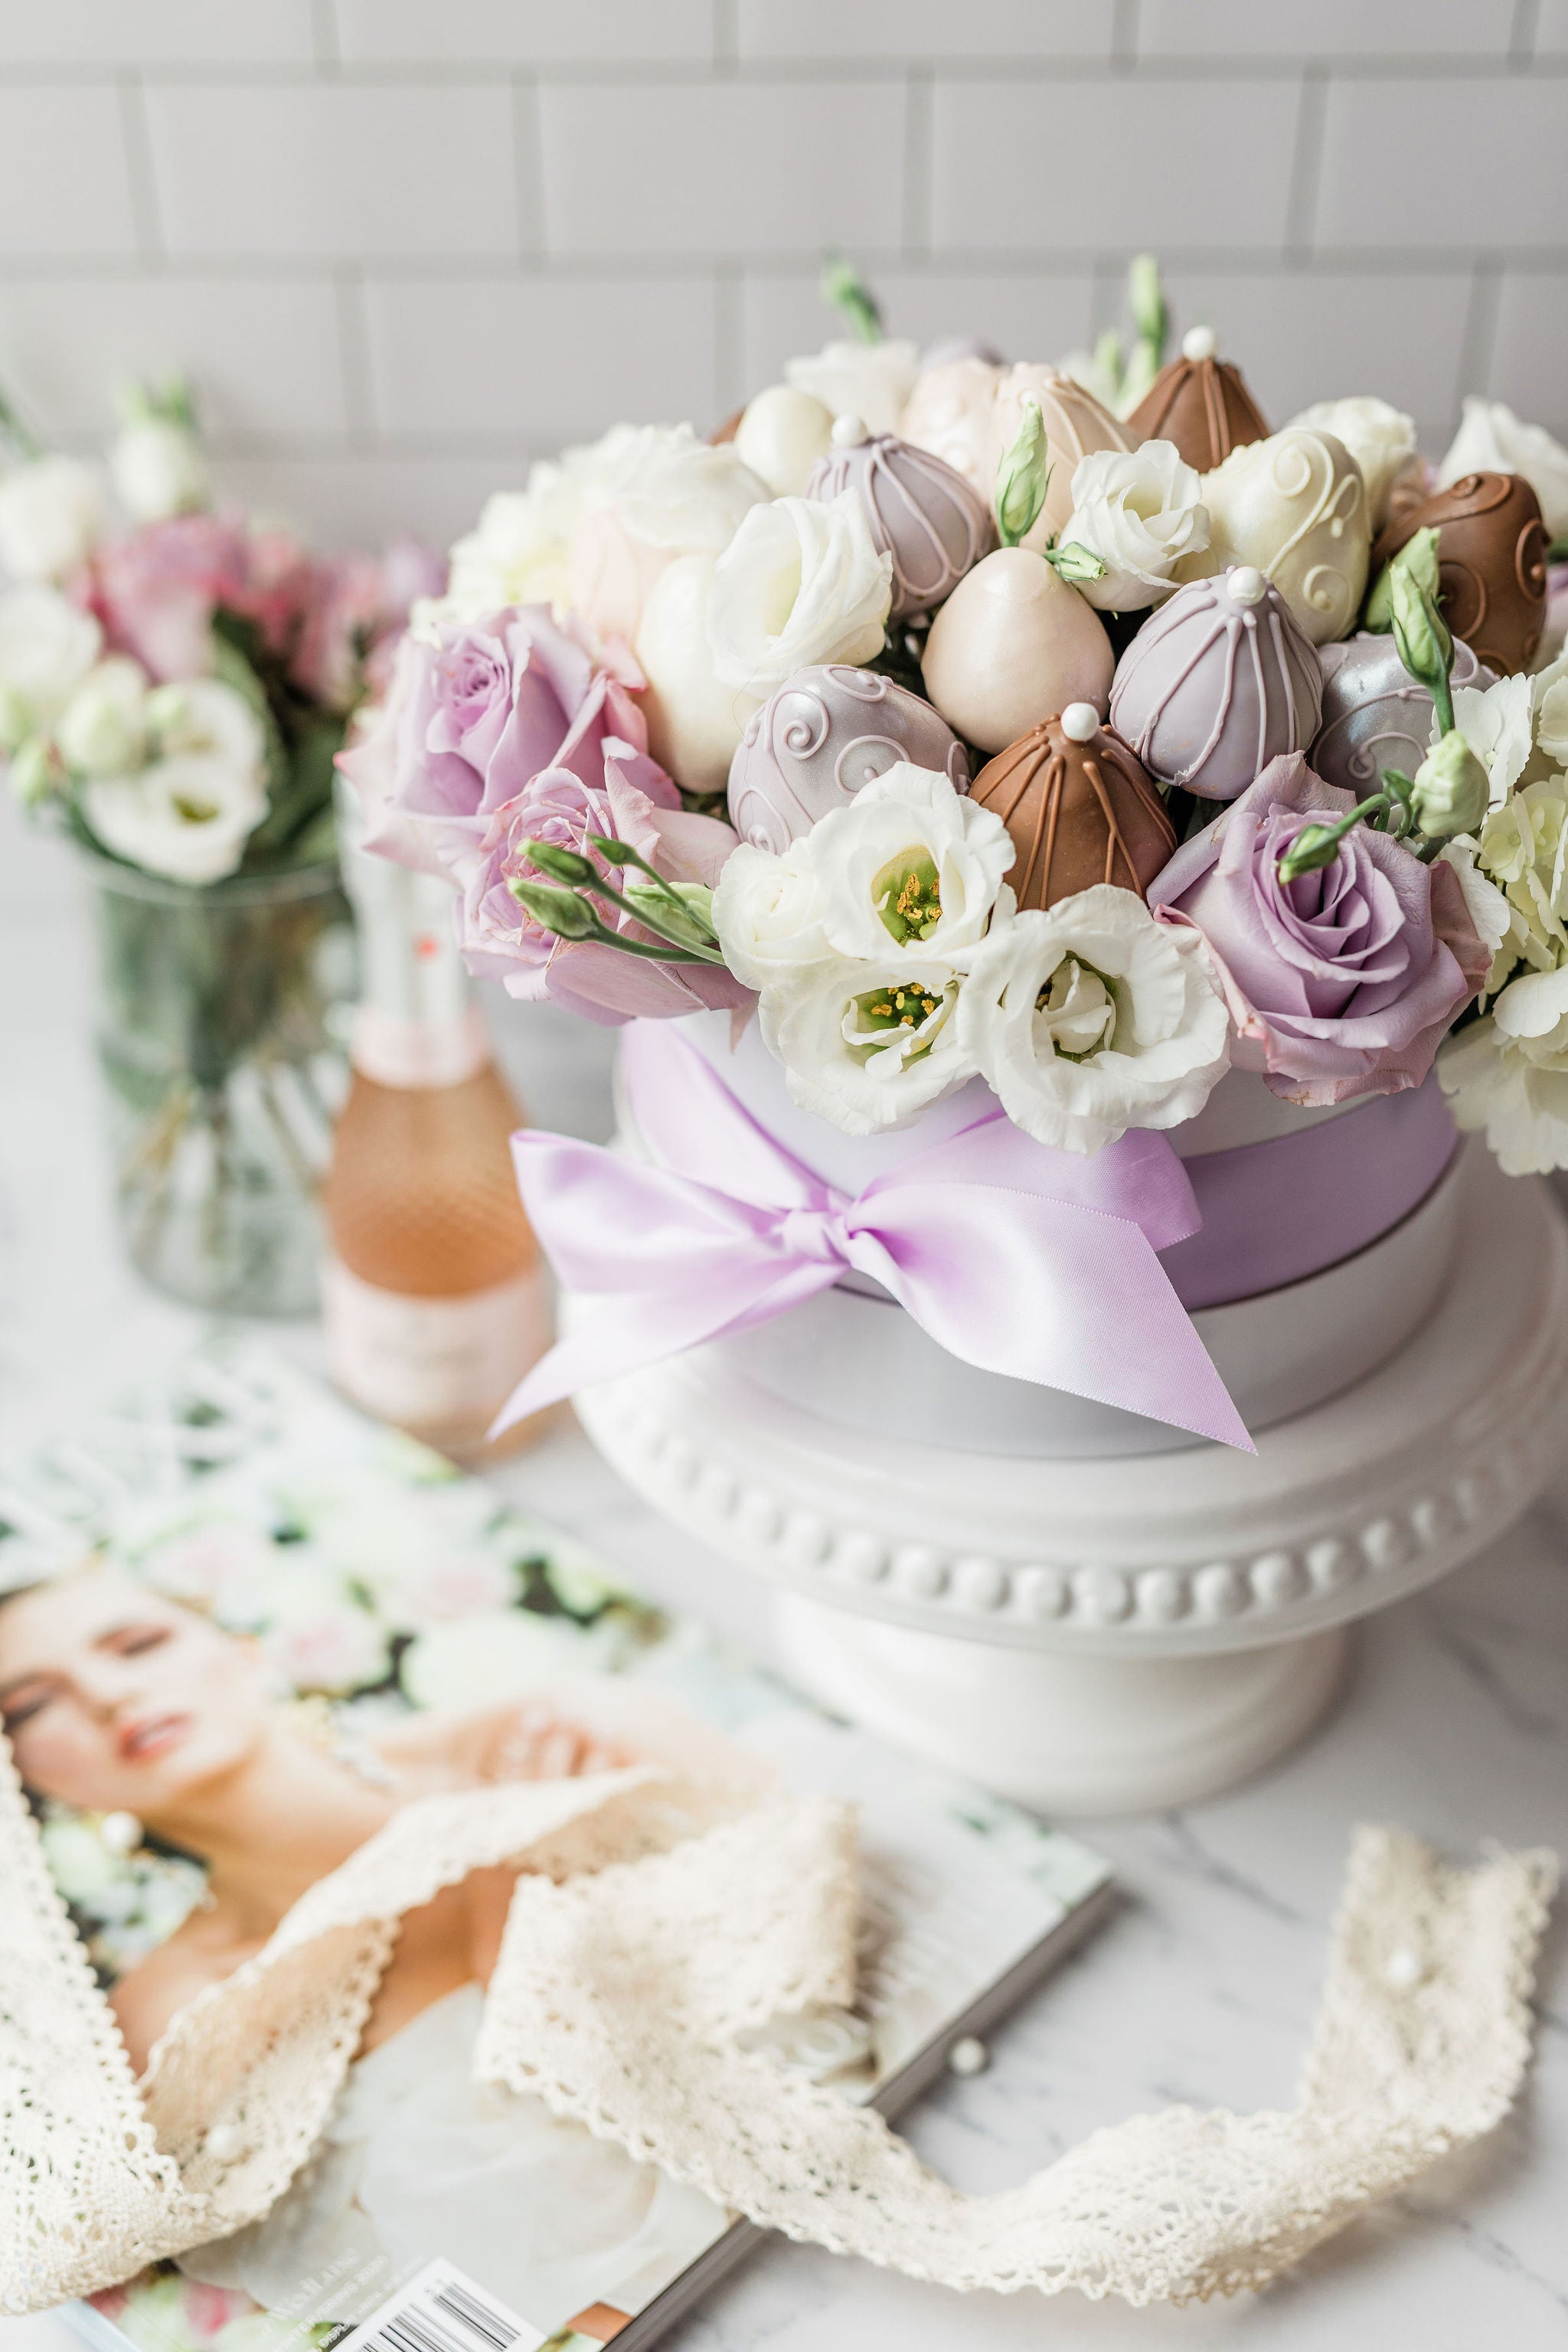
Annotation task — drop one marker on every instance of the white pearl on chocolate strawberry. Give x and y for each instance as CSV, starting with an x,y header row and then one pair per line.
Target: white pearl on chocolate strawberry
x,y
1080,723
848,432
1246,584
1198,344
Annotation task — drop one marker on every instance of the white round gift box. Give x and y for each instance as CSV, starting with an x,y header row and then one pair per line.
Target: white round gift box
x,y
1084,1609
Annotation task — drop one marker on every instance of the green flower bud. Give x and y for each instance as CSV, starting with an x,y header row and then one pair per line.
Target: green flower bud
x,y
679,910
555,910
1147,297
561,864
1419,558
34,771
1451,790
1421,635
1314,846
844,290
1022,478
1076,561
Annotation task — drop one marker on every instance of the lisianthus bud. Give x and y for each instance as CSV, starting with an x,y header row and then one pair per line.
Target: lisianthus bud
x,y
561,864
1419,557
1022,478
103,730
1451,790
1420,631
554,910
680,911
160,468
1075,561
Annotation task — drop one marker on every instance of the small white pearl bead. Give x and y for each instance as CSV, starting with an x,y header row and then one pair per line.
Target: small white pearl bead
x,y
1403,1969
848,432
1198,344
1080,721
1246,584
121,1833
968,2056
224,2143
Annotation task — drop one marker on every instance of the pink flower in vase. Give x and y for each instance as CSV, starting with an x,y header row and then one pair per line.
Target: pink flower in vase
x,y
156,591
354,608
634,802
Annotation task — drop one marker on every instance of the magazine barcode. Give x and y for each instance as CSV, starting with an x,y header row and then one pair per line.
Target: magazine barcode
x,y
443,2310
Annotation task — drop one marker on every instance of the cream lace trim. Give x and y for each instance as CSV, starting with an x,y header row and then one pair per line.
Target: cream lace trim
x,y
653,1927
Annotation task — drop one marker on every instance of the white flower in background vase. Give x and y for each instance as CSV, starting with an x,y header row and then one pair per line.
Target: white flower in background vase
x,y
47,645
660,492
767,912
159,468
871,381
188,813
102,729
1492,439
910,862
799,584
866,1044
1508,1074
51,512
1140,511
1093,1017
1380,438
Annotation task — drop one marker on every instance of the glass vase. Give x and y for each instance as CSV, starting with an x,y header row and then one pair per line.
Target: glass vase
x,y
223,1022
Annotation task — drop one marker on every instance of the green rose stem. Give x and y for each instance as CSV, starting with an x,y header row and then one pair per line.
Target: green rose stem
x,y
844,290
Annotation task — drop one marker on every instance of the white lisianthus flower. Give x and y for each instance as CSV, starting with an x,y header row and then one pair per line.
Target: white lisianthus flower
x,y
1508,1074
47,645
51,512
201,714
1140,511
159,468
1093,1017
103,728
187,818
800,582
1492,439
910,862
871,381
1496,722
767,912
1381,438
867,1046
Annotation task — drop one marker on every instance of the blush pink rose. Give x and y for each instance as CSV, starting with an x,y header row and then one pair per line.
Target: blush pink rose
x,y
1344,981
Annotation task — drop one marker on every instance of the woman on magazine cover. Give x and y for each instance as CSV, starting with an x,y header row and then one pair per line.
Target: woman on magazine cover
x,y
117,1700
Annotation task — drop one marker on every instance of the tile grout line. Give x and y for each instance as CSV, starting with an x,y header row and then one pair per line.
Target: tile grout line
x,y
136,134
1480,339
1306,165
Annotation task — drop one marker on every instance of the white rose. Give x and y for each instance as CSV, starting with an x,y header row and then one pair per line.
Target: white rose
x,y
1495,722
516,554
1093,1017
1508,1074
911,861
187,818
1140,512
694,720
871,381
867,1046
767,911
1492,439
663,494
48,644
1381,438
159,468
50,514
103,728
799,584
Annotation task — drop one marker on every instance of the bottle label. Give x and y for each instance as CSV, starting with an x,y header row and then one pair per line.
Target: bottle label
x,y
426,1363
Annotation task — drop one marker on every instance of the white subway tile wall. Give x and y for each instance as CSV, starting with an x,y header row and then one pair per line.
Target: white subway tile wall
x,y
406,245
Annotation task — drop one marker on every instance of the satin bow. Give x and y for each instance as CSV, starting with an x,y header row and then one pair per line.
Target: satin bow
x,y
1036,1264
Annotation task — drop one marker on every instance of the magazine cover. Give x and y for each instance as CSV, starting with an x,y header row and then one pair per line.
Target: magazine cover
x,y
239,1627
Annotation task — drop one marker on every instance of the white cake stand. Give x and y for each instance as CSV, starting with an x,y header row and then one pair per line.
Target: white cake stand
x,y
1108,1635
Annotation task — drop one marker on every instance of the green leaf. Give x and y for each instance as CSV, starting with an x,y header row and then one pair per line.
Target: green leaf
x,y
844,290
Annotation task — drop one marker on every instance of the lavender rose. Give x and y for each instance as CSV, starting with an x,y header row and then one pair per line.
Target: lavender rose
x,y
1344,981
472,717
635,802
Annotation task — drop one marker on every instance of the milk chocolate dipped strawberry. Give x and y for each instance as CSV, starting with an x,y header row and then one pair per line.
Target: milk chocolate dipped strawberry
x,y
1492,564
1079,809
1201,403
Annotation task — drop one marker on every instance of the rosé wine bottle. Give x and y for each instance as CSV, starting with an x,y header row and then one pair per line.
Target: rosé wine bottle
x,y
433,1291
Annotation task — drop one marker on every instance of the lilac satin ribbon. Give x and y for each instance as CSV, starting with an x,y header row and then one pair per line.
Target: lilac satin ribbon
x,y
1274,1213
1036,1264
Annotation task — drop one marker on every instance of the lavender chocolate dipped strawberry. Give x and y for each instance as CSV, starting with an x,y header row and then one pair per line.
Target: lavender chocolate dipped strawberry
x,y
922,513
1375,716
1220,680
826,732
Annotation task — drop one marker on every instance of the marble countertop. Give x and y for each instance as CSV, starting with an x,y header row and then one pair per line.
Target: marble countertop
x,y
1202,1985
